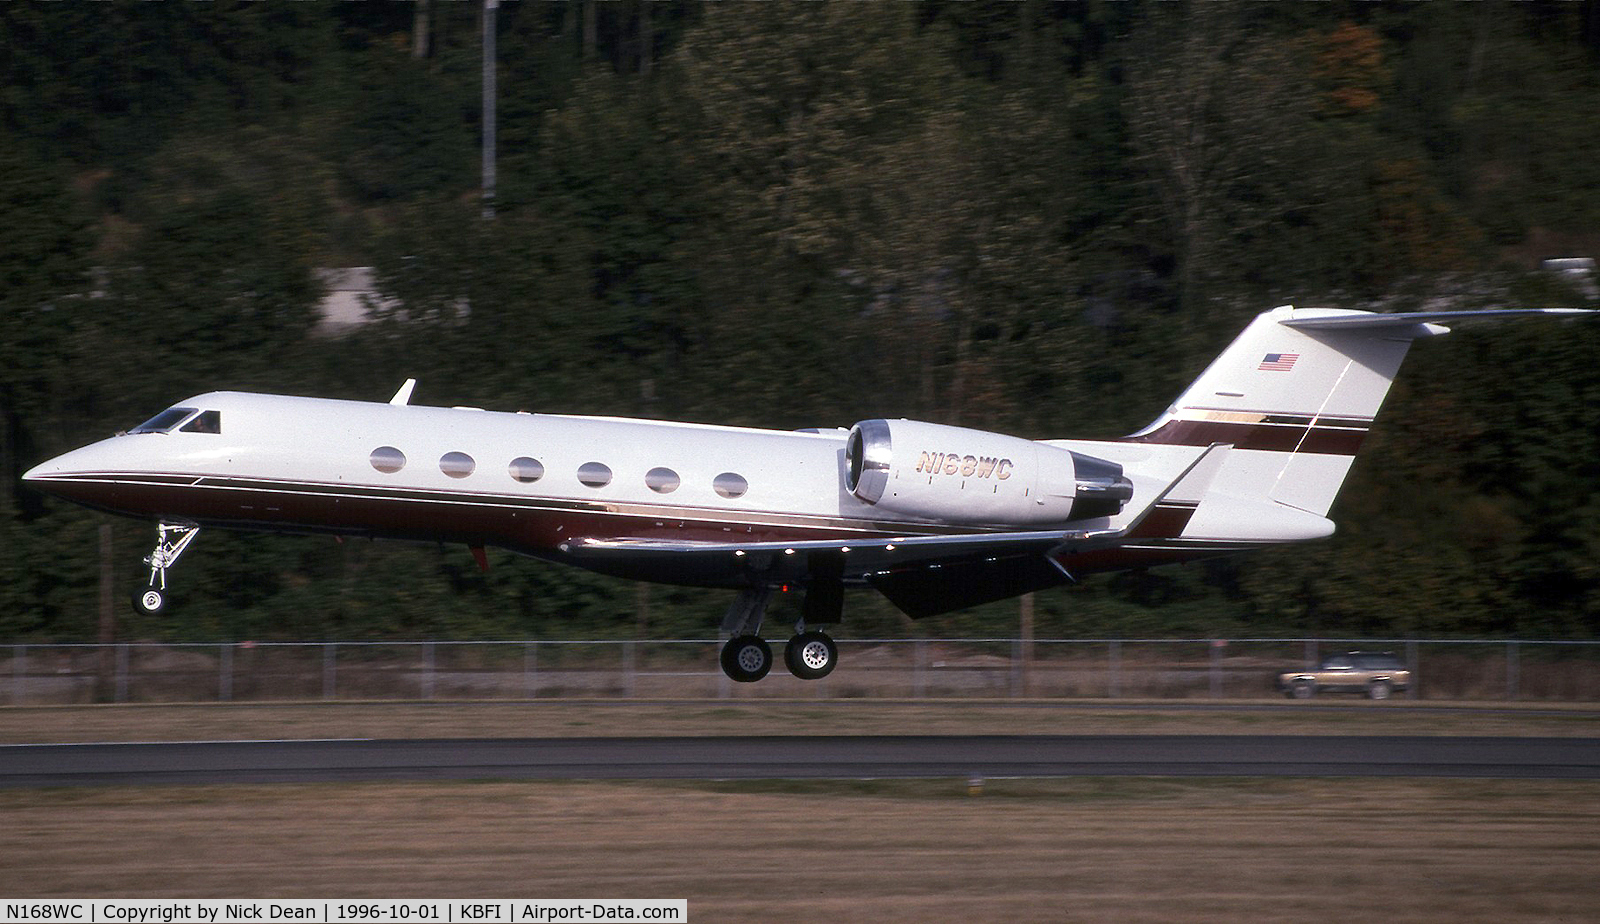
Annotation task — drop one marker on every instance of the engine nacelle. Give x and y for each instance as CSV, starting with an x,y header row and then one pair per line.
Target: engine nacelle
x,y
973,476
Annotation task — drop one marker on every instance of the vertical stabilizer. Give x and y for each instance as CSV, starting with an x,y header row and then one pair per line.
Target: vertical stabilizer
x,y
1295,403
1295,395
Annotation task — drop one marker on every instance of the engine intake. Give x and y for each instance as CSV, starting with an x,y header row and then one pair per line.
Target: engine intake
x,y
959,475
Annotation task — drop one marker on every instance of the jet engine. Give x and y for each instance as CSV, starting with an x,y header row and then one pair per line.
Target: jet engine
x,y
959,475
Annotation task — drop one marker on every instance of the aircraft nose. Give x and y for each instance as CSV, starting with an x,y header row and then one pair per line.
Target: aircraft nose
x,y
41,472
73,476
48,476
66,465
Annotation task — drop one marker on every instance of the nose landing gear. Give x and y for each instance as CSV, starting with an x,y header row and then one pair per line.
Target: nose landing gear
x,y
171,540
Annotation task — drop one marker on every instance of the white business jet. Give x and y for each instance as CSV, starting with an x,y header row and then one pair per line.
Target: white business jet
x,y
934,517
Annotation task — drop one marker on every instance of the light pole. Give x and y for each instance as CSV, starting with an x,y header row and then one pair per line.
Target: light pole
x,y
489,8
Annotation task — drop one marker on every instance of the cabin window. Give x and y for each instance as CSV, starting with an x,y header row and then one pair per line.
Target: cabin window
x,y
730,485
207,422
527,470
164,421
388,459
594,474
662,480
456,464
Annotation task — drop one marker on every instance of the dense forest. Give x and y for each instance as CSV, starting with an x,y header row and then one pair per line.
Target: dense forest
x,y
1041,218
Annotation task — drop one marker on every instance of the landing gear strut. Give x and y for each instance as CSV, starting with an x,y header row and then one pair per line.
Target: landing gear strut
x,y
746,656
171,540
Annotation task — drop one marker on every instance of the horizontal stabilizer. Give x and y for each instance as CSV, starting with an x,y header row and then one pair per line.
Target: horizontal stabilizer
x,y
1413,318
1230,518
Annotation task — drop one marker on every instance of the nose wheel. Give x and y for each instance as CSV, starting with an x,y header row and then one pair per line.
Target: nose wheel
x,y
150,601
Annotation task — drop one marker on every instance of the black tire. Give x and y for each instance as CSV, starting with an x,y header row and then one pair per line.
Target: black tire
x,y
150,601
811,655
1303,689
1379,689
746,658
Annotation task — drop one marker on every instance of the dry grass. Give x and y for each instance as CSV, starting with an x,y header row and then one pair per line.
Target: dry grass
x,y
1066,850
545,718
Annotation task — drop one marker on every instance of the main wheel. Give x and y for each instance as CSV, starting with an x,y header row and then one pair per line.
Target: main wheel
x,y
811,655
149,601
1378,689
1304,689
746,658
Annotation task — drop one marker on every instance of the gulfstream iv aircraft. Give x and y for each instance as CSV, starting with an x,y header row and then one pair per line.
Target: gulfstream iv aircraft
x,y
934,517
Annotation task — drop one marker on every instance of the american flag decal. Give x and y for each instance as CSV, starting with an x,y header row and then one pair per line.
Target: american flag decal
x,y
1278,362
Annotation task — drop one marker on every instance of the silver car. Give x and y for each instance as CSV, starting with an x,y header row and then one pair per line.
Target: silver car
x,y
1377,674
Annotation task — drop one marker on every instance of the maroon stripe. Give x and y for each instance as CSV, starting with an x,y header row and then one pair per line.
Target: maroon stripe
x,y
1322,440
1164,522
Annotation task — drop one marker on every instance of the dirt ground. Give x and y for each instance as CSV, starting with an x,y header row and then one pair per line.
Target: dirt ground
x,y
1131,850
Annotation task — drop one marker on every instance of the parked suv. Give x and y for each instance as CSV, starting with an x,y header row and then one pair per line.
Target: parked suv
x,y
1377,674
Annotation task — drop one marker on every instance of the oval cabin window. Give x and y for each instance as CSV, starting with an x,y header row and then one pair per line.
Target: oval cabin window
x,y
730,485
527,470
388,459
594,474
662,480
456,464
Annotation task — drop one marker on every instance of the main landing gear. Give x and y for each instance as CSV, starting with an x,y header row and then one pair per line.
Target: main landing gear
x,y
171,540
746,656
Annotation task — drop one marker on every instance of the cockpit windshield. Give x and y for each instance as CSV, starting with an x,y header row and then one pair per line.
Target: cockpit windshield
x,y
165,421
207,422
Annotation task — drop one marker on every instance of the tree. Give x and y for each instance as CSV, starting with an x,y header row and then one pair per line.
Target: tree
x,y
1220,118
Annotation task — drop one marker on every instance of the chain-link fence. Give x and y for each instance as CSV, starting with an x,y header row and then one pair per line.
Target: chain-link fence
x,y
870,668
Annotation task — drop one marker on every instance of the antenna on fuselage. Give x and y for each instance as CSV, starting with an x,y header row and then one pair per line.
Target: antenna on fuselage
x,y
403,396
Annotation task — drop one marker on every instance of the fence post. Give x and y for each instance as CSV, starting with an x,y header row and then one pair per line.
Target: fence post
x,y
919,655
1411,662
1016,668
327,670
628,668
122,672
19,666
1215,673
1115,666
225,672
1513,671
530,669
427,671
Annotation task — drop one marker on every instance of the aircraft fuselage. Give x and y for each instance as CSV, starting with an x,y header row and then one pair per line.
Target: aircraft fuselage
x,y
530,483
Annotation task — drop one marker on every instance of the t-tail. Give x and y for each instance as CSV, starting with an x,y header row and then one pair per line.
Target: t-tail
x,y
1294,396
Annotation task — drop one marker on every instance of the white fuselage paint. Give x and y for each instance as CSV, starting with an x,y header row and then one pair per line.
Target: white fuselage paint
x,y
789,479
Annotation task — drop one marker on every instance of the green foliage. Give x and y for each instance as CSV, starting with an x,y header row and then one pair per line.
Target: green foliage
x,y
1032,217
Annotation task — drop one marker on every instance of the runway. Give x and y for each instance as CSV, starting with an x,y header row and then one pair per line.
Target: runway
x,y
796,757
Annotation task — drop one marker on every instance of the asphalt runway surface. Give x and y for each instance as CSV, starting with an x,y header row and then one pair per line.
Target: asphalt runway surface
x,y
797,757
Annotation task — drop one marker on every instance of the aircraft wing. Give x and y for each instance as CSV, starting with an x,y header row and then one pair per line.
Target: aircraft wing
x,y
921,574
